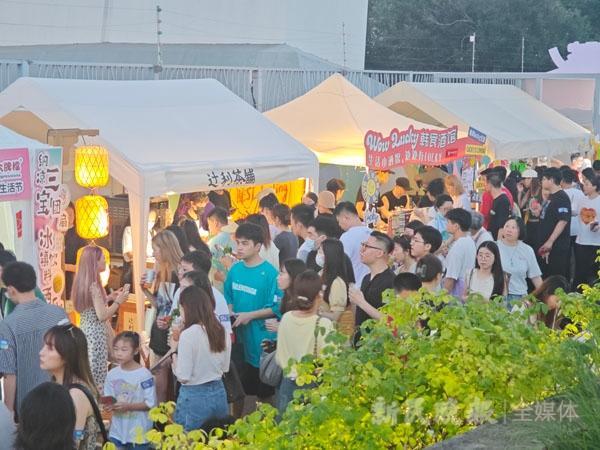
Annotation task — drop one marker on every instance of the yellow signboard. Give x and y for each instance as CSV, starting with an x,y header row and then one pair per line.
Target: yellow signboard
x,y
479,185
475,150
244,201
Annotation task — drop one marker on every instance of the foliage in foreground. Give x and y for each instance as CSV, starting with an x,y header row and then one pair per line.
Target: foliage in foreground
x,y
410,386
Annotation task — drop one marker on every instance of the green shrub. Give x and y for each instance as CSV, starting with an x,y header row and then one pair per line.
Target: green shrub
x,y
409,386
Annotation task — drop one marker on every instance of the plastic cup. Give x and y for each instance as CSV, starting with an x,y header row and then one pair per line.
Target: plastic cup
x,y
150,275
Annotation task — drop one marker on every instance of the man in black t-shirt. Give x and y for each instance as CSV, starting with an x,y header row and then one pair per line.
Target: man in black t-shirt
x,y
375,254
555,226
500,210
395,198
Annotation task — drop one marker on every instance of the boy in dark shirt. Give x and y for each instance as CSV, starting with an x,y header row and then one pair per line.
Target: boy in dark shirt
x,y
500,210
555,226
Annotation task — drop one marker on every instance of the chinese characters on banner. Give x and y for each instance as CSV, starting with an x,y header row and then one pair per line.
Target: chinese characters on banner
x,y
15,182
51,198
220,179
411,146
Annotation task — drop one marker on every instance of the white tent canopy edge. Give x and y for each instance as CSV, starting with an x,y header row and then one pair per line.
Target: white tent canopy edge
x,y
165,136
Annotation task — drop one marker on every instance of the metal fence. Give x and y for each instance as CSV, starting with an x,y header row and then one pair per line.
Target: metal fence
x,y
268,88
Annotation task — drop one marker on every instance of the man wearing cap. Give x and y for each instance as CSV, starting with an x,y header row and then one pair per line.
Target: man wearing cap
x,y
487,199
326,203
397,197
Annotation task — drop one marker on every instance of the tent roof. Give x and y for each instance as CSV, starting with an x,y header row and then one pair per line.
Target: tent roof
x,y
166,135
333,118
10,140
516,124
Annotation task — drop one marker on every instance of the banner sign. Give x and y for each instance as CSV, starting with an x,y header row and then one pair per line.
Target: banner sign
x,y
244,199
477,135
411,146
51,199
15,181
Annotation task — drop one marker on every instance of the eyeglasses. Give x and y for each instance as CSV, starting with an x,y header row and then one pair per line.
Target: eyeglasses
x,y
414,239
365,245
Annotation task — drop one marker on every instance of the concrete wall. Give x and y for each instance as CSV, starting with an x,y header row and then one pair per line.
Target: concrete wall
x,y
314,26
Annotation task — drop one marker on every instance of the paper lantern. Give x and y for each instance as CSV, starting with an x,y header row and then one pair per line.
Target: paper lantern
x,y
106,273
91,212
91,166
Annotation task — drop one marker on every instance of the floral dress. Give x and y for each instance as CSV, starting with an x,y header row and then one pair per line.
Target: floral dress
x,y
97,338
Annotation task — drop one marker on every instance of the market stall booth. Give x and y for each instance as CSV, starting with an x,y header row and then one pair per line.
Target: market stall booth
x,y
517,125
332,120
163,137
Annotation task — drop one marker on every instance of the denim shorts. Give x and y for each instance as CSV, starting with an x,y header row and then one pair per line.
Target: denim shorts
x,y
198,403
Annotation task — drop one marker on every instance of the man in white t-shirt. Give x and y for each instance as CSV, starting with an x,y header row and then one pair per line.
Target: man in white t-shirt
x,y
461,256
355,233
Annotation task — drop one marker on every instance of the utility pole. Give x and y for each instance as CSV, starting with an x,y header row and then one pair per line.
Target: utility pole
x,y
104,20
158,66
344,45
472,40
522,53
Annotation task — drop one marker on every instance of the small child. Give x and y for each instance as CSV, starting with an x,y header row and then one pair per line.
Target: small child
x,y
129,393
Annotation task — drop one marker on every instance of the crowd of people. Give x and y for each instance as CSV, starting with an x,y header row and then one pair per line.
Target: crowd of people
x,y
278,281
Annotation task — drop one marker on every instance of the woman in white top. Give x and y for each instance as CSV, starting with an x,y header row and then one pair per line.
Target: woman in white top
x,y
518,259
487,278
202,357
301,332
587,243
268,251
456,190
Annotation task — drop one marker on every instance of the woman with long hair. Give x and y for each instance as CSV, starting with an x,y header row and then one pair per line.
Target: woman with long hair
x,y
456,190
300,333
546,293
91,302
202,357
268,251
487,278
192,234
518,259
65,357
46,419
161,293
290,269
336,278
587,242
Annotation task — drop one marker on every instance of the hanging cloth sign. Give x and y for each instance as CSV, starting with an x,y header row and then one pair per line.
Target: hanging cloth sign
x,y
412,146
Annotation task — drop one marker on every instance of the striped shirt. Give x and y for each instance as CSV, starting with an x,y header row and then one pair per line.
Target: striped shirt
x,y
21,339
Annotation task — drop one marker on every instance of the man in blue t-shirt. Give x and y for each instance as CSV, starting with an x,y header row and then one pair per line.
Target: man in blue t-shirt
x,y
250,289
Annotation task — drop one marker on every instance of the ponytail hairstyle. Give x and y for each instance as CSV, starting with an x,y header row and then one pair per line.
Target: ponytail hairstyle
x,y
134,339
293,267
307,289
198,309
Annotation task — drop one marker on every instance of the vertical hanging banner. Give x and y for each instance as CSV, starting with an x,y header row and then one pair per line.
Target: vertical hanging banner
x,y
51,199
412,146
15,181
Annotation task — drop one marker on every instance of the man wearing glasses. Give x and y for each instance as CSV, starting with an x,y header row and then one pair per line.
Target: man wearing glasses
x,y
375,254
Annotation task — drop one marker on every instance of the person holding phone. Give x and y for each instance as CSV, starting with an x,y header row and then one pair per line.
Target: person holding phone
x,y
91,302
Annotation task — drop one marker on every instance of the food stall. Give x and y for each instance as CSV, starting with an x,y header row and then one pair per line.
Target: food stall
x,y
163,137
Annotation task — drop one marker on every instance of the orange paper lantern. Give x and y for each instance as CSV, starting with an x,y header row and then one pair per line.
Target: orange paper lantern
x,y
91,212
91,166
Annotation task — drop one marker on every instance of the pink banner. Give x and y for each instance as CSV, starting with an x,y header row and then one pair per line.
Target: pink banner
x,y
15,178
50,201
411,146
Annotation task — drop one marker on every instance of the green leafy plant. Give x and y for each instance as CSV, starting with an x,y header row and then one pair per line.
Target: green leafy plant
x,y
431,369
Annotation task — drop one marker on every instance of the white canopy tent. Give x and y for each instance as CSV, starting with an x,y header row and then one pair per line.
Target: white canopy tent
x,y
516,124
333,118
22,244
164,136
